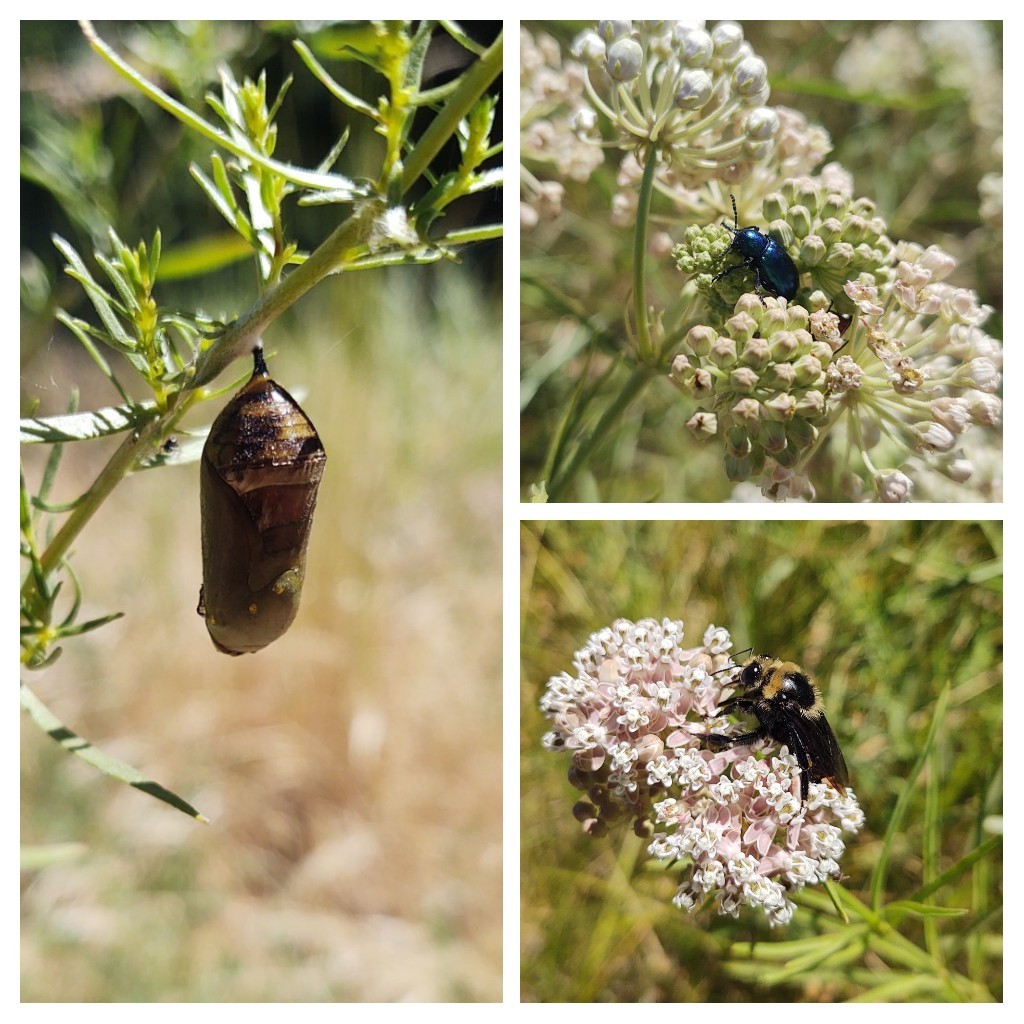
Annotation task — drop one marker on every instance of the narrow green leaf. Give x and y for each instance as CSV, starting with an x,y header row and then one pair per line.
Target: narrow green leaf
x,y
896,818
964,864
193,121
154,256
111,766
101,300
35,858
923,909
121,281
901,988
222,198
336,90
336,150
454,29
86,426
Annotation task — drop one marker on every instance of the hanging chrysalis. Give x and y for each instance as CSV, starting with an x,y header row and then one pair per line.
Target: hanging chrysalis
x,y
258,479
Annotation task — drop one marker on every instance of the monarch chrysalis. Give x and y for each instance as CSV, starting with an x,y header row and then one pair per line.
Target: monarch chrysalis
x,y
258,478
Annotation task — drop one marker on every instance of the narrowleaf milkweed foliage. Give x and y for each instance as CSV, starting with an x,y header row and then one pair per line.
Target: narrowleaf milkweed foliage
x,y
900,626
876,380
438,149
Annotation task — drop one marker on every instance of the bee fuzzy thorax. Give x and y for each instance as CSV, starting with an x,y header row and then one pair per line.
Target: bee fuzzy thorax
x,y
785,678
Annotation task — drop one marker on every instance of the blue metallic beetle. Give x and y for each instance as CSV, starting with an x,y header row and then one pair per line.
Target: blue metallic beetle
x,y
774,270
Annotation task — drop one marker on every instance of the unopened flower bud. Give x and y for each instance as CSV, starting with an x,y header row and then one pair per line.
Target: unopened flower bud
x,y
756,353
808,370
727,37
780,407
811,404
625,58
750,76
693,46
694,89
723,351
772,436
699,339
743,379
934,437
748,410
609,31
801,434
703,424
737,441
894,486
741,327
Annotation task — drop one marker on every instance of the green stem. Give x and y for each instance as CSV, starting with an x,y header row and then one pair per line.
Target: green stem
x,y
120,465
645,347
473,85
611,415
241,335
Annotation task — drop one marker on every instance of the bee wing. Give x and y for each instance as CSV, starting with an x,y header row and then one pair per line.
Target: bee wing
x,y
824,758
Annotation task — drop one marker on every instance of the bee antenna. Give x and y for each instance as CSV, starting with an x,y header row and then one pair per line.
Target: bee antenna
x,y
735,658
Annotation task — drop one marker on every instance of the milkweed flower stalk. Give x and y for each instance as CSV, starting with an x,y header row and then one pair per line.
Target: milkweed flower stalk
x,y
634,714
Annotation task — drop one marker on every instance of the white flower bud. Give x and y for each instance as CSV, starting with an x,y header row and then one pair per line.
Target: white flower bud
x,y
694,90
750,76
625,58
894,486
727,37
609,31
762,124
693,46
934,437
589,48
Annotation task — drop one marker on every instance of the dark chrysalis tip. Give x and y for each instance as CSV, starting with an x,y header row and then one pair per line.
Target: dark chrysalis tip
x,y
258,478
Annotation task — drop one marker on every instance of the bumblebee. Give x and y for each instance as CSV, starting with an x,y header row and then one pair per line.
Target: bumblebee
x,y
789,710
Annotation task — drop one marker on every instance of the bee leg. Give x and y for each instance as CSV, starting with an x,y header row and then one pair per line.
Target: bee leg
x,y
716,741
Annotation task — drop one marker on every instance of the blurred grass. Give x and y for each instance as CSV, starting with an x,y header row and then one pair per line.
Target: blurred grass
x,y
883,614
353,769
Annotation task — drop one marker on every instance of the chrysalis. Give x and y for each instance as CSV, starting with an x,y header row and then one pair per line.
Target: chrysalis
x,y
258,479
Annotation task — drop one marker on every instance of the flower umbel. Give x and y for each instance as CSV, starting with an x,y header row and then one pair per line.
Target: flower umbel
x,y
634,714
694,95
893,392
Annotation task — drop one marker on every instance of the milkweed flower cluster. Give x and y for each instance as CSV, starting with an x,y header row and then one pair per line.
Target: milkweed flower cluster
x,y
914,373
557,125
695,96
633,713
